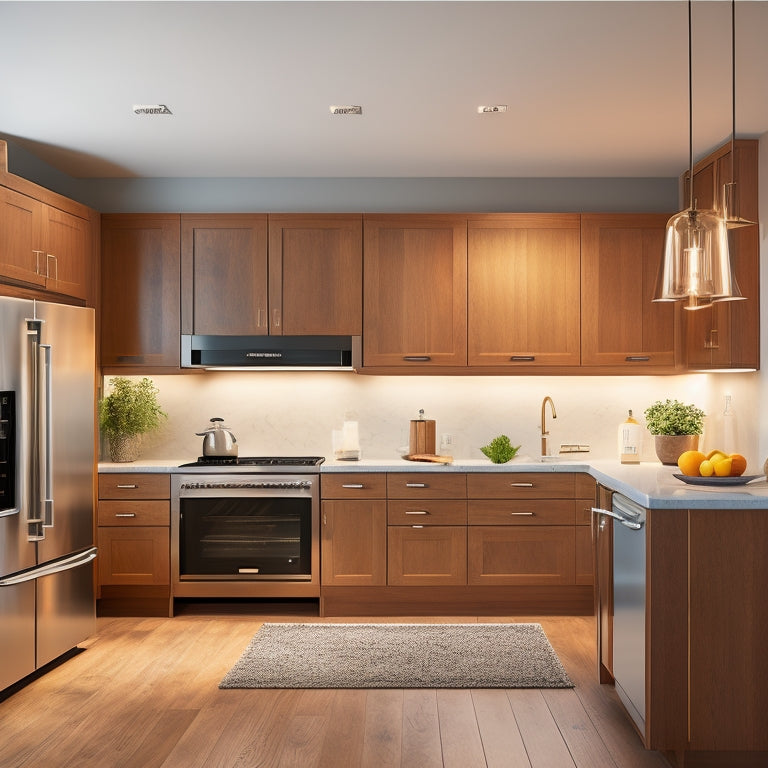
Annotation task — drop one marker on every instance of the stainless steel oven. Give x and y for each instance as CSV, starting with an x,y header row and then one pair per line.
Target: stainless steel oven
x,y
242,529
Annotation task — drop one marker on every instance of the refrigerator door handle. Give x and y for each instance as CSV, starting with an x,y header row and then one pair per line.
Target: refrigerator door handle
x,y
65,564
46,501
9,512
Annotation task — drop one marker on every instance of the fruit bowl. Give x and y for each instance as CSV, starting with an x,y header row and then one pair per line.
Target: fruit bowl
x,y
715,481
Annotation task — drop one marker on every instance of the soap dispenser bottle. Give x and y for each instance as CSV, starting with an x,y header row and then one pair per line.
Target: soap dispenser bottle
x,y
630,436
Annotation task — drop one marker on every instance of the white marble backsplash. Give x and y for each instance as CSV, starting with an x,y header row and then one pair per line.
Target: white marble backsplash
x,y
275,413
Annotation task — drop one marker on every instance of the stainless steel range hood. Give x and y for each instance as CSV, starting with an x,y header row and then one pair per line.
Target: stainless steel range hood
x,y
271,353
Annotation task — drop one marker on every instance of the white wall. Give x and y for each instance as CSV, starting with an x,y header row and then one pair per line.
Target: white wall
x,y
294,413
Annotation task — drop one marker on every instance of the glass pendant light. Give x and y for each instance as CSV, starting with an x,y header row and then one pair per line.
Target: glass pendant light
x,y
730,199
696,267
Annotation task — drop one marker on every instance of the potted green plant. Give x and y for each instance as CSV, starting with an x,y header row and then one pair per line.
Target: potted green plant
x,y
128,412
676,428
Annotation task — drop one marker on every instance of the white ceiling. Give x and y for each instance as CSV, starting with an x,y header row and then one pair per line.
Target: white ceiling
x,y
594,89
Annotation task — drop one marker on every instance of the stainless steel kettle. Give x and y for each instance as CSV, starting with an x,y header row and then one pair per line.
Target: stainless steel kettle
x,y
218,440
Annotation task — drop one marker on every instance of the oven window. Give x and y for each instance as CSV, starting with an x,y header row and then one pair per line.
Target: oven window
x,y
246,537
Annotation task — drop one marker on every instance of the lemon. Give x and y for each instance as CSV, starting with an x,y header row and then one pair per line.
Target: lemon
x,y
716,455
706,468
723,467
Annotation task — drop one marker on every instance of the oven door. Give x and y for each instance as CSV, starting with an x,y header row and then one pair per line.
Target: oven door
x,y
235,528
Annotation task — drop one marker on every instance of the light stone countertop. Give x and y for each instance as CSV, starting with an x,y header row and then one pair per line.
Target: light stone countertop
x,y
650,484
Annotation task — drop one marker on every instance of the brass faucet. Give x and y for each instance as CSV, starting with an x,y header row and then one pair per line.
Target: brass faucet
x,y
544,432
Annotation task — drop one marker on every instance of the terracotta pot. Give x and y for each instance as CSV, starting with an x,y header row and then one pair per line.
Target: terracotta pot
x,y
123,448
669,447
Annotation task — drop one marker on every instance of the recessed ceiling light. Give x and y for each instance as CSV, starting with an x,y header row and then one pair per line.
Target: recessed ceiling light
x,y
348,109
151,109
492,109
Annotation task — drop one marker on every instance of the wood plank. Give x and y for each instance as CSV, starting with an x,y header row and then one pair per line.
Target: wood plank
x,y
421,729
383,729
459,734
502,742
343,744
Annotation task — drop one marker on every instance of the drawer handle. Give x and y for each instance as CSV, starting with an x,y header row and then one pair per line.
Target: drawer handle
x,y
637,358
417,526
416,512
353,485
127,487
416,485
417,358
523,514
522,358
125,514
522,485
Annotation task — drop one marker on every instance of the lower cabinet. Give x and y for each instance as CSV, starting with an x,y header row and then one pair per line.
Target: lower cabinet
x,y
134,570
427,555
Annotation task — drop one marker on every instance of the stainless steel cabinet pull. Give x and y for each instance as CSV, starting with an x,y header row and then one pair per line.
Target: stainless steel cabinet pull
x,y
417,358
417,526
325,519
37,261
416,485
523,514
48,257
128,486
522,485
276,317
637,358
260,318
522,358
416,512
125,514
353,485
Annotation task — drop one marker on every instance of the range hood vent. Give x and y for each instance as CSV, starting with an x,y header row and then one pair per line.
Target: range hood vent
x,y
265,353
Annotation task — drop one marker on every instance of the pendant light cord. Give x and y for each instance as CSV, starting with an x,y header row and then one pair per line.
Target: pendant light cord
x,y
733,88
690,107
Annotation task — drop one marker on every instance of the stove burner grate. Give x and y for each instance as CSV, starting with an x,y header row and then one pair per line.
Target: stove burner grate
x,y
256,461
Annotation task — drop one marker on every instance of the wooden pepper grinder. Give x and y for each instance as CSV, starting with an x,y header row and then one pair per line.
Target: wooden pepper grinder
x,y
422,437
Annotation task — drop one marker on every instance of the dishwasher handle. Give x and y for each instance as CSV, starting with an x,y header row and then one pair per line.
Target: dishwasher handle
x,y
635,525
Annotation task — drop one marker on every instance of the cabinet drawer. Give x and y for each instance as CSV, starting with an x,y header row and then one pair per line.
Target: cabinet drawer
x,y
427,485
134,556
521,485
357,485
134,486
524,555
534,512
134,513
427,556
585,487
427,512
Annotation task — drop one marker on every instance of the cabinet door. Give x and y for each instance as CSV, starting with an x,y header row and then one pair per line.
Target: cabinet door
x,y
523,290
316,275
430,555
727,334
602,542
22,252
620,324
415,291
68,253
353,543
522,555
134,556
140,290
224,274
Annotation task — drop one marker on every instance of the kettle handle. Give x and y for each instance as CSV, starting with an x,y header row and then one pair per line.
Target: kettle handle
x,y
215,419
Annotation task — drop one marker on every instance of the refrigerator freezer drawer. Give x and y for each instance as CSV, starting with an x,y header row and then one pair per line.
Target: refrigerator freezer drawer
x,y
17,636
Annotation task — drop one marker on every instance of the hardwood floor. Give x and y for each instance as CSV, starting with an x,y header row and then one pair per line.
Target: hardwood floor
x,y
145,694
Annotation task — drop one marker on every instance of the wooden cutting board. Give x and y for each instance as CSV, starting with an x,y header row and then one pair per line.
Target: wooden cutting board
x,y
432,458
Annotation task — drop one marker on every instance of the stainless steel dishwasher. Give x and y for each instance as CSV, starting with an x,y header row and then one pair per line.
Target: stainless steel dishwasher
x,y
629,579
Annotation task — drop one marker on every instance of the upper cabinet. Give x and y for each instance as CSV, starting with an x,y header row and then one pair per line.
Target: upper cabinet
x,y
415,290
140,290
523,290
224,274
316,274
620,324
253,274
44,246
727,334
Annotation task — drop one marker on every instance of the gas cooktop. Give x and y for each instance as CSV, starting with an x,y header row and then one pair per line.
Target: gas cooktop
x,y
270,462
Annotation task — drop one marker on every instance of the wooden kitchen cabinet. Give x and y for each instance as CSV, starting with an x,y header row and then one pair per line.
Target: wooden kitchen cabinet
x,y
602,547
224,274
726,334
133,537
621,326
415,291
316,274
140,298
586,497
523,290
44,246
353,547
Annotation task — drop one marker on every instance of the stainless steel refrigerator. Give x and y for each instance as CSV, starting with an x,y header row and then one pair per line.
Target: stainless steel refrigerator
x,y
47,603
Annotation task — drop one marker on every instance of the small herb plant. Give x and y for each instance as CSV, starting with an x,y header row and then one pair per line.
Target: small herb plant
x,y
672,417
500,450
130,409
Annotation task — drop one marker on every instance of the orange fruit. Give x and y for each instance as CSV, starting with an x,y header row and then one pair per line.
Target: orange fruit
x,y
689,462
723,467
716,455
738,465
706,468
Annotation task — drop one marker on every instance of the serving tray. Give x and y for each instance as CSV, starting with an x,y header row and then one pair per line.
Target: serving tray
x,y
715,481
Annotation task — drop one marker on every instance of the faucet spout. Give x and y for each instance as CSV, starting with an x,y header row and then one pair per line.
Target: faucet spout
x,y
544,431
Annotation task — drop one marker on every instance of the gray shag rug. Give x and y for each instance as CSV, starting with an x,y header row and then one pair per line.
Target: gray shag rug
x,y
398,656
